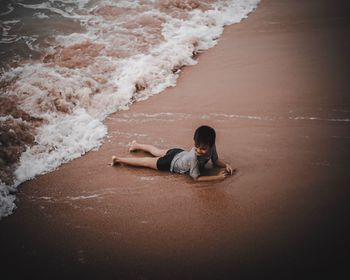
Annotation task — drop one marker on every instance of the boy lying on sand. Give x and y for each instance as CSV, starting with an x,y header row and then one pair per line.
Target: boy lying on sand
x,y
180,161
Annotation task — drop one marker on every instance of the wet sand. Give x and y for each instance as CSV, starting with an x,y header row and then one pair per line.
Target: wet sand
x,y
275,89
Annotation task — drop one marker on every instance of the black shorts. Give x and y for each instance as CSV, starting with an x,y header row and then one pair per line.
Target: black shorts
x,y
163,163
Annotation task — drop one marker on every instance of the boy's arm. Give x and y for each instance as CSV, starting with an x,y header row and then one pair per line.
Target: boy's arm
x,y
221,176
220,163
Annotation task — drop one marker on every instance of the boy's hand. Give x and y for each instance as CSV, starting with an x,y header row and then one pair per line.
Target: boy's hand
x,y
229,169
223,174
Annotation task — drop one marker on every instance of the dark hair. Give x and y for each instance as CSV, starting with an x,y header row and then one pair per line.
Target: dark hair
x,y
204,135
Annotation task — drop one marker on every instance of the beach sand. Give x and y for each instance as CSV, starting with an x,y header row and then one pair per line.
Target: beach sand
x,y
276,90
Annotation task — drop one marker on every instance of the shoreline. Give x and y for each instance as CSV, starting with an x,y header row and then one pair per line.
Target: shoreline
x,y
283,214
31,151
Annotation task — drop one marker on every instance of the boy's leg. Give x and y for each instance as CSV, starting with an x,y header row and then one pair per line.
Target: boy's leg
x,y
147,148
150,162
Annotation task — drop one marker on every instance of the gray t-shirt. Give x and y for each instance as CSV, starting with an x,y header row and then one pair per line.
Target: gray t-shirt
x,y
189,162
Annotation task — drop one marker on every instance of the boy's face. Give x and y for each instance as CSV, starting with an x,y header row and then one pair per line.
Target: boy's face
x,y
201,149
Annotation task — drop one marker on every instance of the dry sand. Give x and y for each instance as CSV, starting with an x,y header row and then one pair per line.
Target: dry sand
x,y
275,88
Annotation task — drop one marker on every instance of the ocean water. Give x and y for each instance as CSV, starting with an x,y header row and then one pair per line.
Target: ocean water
x,y
65,65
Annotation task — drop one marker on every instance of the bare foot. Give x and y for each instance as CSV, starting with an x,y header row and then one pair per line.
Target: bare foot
x,y
114,161
133,146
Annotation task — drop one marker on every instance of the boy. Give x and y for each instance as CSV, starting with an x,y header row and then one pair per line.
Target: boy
x,y
180,161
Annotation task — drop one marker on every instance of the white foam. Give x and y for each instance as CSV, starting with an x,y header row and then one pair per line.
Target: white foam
x,y
10,9
7,200
319,119
67,13
147,178
6,27
6,118
249,117
64,139
40,15
84,197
